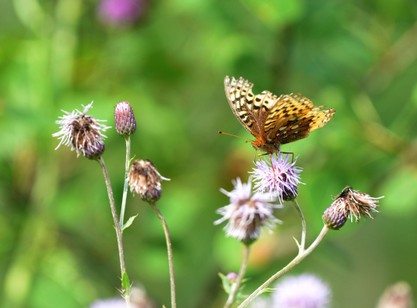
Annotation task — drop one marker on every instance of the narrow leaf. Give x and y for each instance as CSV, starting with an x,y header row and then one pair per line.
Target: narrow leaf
x,y
129,222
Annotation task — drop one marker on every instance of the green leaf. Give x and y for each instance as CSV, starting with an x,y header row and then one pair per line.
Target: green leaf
x,y
125,284
226,283
129,222
227,286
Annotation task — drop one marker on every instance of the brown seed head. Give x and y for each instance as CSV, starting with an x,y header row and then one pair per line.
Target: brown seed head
x,y
145,180
349,203
82,133
86,138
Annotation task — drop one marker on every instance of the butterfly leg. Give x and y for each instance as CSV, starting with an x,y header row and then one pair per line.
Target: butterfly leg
x,y
272,165
258,155
288,153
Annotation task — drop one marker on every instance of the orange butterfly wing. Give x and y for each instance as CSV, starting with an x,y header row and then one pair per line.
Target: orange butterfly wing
x,y
273,120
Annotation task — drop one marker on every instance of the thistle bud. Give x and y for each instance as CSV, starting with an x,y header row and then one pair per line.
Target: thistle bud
x,y
125,122
232,277
145,180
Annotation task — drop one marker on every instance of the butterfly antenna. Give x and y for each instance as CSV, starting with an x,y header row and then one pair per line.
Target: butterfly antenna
x,y
232,135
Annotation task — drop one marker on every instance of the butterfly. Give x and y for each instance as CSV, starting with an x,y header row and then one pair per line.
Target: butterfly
x,y
273,120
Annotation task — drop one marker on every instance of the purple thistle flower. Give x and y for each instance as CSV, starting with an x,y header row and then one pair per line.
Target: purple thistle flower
x,y
120,12
247,213
109,303
303,291
278,176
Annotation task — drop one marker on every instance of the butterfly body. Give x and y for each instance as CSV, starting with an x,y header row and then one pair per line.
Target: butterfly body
x,y
273,120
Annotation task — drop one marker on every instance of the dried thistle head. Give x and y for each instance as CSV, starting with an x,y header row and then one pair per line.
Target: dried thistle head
x,y
82,133
351,204
145,180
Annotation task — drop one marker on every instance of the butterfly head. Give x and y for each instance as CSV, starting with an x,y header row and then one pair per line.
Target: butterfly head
x,y
260,144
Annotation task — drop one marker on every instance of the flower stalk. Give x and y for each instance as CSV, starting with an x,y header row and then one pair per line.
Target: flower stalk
x,y
117,226
303,224
302,253
125,126
126,182
236,285
169,250
145,180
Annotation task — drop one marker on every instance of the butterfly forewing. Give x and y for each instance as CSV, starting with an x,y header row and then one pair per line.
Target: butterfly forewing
x,y
274,120
293,118
240,97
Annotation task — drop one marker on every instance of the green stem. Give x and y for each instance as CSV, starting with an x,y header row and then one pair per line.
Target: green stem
x,y
301,255
236,285
170,255
117,226
301,246
126,182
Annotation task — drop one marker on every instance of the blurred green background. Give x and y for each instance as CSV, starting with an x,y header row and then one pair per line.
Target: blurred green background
x,y
57,242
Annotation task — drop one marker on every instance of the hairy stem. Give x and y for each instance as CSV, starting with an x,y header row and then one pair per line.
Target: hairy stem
x,y
170,255
236,285
301,255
